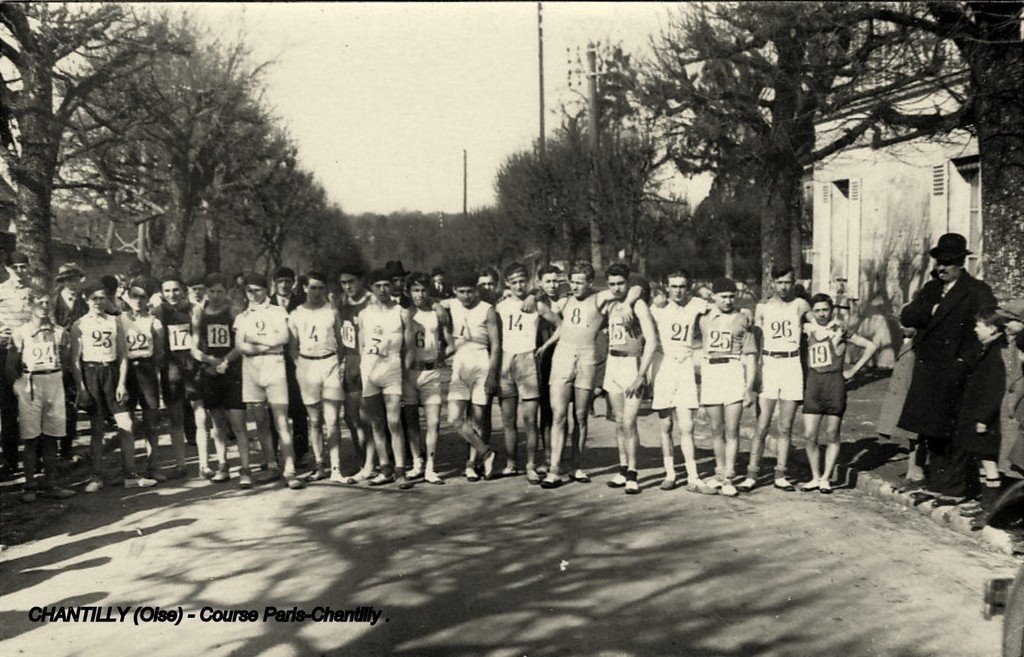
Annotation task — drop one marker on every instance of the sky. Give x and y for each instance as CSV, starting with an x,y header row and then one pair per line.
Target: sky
x,y
383,98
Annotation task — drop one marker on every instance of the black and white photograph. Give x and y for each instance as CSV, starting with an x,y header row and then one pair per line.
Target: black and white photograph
x,y
512,329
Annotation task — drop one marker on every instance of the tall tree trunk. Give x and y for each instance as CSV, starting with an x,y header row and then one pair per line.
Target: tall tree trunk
x,y
729,262
781,201
34,170
177,221
211,241
997,78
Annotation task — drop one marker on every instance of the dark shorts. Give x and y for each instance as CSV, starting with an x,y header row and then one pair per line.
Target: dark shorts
x,y
222,391
352,380
824,393
143,385
100,399
178,381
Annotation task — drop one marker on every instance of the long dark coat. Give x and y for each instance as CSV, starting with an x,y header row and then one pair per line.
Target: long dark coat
x,y
944,345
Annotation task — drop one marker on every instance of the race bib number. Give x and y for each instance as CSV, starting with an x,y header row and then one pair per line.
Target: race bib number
x,y
313,336
218,336
348,335
421,339
616,335
515,322
720,342
137,343
781,330
373,347
821,355
179,337
41,356
680,332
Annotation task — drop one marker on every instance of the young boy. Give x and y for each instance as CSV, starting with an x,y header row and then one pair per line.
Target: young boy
x,y
825,391
37,354
99,366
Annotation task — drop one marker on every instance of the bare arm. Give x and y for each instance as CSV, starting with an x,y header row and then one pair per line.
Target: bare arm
x,y
76,354
551,341
293,339
494,334
444,321
650,333
408,339
545,311
869,348
122,361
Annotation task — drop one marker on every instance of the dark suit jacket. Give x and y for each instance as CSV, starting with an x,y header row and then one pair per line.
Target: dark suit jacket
x,y
294,301
944,347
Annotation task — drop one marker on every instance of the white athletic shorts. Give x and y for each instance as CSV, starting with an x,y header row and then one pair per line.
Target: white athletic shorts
x,y
675,384
574,364
41,407
264,379
782,378
381,375
319,379
469,376
421,388
721,383
620,373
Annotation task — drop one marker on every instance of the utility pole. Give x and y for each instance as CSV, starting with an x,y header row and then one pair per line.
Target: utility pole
x,y
541,145
593,143
465,179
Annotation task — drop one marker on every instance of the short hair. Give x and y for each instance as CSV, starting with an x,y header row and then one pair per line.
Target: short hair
x,y
781,269
463,278
516,268
679,272
352,269
418,278
314,275
109,283
284,273
549,269
141,282
172,277
378,275
35,293
258,280
723,285
93,286
437,271
213,279
195,281
488,271
583,267
617,269
993,316
821,297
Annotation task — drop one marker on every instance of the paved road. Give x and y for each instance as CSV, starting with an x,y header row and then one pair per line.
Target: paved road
x,y
501,568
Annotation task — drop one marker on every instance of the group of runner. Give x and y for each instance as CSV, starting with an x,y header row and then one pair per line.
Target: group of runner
x,y
373,355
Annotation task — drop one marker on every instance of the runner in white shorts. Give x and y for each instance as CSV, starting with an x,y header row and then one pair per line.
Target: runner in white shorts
x,y
315,329
780,322
476,345
520,379
422,384
727,378
675,379
574,366
631,348
39,348
385,331
261,333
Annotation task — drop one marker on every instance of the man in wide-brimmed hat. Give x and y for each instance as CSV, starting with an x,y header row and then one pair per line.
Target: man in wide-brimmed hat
x,y
68,306
943,313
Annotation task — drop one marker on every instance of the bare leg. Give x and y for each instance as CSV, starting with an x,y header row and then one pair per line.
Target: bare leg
x,y
332,410
581,413
560,396
509,421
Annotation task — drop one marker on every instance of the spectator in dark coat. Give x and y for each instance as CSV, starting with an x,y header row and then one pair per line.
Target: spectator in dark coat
x,y
289,297
943,312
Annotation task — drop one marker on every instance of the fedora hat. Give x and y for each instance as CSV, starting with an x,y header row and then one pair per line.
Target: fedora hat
x,y
950,247
396,268
68,270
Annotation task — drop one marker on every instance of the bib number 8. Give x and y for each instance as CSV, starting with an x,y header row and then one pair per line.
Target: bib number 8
x,y
577,315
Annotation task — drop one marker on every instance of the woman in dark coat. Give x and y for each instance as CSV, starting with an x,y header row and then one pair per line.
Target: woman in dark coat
x,y
978,425
943,313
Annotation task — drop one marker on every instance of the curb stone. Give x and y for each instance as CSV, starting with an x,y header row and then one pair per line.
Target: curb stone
x,y
876,487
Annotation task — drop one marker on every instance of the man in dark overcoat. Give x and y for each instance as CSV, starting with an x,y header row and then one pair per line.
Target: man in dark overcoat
x,y
943,312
